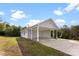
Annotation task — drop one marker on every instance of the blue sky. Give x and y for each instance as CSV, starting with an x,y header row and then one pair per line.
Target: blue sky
x,y
23,14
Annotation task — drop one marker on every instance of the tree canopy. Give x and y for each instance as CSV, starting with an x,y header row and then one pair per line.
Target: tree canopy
x,y
70,32
9,30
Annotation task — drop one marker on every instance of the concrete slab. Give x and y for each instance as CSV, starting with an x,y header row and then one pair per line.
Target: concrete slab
x,y
67,46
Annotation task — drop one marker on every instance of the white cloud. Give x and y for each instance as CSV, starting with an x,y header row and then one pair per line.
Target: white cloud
x,y
71,7
18,14
1,13
13,10
34,21
58,12
74,22
60,22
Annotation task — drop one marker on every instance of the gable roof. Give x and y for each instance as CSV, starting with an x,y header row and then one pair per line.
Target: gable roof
x,y
47,24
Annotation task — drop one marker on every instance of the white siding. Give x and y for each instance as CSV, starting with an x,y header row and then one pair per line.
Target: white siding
x,y
42,34
44,30
45,34
29,33
24,34
48,24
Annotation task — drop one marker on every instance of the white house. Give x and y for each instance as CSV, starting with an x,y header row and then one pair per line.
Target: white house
x,y
43,30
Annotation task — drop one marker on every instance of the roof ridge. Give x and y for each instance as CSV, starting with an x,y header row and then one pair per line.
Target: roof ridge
x,y
43,21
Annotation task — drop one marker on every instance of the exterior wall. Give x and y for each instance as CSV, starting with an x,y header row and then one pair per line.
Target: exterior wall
x,y
48,24
45,34
29,33
34,34
24,34
42,34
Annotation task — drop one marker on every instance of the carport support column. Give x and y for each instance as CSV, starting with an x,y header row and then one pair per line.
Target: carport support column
x,y
53,34
38,32
56,34
31,33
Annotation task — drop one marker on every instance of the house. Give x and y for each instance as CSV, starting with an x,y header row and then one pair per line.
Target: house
x,y
43,30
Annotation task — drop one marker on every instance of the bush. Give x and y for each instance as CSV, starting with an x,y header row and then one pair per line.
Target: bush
x,y
2,33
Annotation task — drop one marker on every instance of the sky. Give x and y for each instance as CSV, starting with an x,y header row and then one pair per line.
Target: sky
x,y
21,14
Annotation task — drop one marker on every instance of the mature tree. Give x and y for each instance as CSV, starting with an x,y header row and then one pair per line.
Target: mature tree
x,y
75,32
65,32
8,30
16,30
2,28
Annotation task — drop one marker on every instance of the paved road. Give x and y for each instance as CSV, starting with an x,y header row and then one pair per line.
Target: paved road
x,y
68,46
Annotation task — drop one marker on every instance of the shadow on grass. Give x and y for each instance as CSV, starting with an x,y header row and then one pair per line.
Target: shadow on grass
x,y
32,48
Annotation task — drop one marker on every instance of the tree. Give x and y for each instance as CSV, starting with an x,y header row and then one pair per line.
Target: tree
x,y
16,30
75,32
66,32
8,30
2,25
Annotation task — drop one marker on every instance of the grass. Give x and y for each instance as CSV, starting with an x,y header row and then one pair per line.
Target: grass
x,y
29,47
9,46
16,46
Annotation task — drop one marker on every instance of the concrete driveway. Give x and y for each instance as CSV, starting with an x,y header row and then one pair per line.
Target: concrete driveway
x,y
67,46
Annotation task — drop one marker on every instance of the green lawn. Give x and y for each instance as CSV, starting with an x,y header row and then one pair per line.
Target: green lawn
x,y
29,47
16,46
